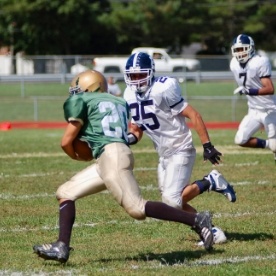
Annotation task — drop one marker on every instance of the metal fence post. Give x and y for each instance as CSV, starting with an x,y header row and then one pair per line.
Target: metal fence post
x,y
35,108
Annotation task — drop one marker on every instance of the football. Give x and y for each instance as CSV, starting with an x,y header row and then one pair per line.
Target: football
x,y
82,150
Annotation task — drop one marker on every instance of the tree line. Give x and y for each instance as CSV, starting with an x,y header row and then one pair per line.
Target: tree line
x,y
90,27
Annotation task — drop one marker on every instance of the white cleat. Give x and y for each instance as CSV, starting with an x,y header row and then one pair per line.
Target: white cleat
x,y
219,236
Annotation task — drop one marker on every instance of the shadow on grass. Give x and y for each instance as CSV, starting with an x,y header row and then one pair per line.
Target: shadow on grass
x,y
175,257
249,237
178,257
168,259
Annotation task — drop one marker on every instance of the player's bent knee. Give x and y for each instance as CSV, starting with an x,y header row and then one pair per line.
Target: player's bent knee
x,y
135,207
62,193
173,202
136,213
239,139
272,144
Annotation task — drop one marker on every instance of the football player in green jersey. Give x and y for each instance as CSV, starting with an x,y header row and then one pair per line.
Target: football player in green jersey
x,y
101,119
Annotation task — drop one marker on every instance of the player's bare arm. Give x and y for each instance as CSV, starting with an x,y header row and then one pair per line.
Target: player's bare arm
x,y
198,124
209,151
268,87
69,135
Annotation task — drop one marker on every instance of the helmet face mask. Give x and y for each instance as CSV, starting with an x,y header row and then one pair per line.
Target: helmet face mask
x,y
139,72
243,48
88,81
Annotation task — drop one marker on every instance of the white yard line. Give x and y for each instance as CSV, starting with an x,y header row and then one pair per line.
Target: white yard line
x,y
219,261
231,150
149,187
31,155
62,272
160,266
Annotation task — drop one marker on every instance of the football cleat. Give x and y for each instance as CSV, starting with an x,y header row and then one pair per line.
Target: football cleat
x,y
57,251
203,226
219,236
220,185
274,157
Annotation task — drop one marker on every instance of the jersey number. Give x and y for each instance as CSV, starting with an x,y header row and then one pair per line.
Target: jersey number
x,y
139,112
243,75
115,124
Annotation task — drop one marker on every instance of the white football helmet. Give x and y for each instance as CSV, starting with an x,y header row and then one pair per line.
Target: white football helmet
x,y
243,48
88,81
139,72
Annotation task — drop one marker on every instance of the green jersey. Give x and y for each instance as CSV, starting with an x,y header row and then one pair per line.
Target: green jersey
x,y
104,118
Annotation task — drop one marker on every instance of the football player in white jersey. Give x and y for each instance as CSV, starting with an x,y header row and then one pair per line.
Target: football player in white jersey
x,y
158,109
253,76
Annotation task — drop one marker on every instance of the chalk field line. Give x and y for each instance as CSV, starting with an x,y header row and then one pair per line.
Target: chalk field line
x,y
226,150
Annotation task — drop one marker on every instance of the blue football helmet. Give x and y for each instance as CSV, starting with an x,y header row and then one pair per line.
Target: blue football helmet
x,y
139,72
243,48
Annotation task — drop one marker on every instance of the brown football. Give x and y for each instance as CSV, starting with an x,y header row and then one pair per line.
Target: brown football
x,y
82,150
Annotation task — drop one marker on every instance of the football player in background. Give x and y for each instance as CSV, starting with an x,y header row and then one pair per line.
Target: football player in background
x,y
113,87
102,120
158,109
253,76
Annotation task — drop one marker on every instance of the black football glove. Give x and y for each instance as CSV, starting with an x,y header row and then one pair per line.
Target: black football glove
x,y
210,153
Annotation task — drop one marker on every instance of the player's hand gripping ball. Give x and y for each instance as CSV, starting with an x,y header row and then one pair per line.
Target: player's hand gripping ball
x,y
82,150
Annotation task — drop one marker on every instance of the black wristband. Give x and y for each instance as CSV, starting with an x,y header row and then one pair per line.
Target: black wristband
x,y
207,145
253,91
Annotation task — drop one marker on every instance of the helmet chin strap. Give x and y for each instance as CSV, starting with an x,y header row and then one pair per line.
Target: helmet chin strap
x,y
143,95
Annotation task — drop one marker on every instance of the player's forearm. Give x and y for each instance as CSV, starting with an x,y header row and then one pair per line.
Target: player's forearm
x,y
267,87
200,129
67,145
69,150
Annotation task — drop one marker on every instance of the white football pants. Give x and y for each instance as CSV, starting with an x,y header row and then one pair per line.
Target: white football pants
x,y
113,171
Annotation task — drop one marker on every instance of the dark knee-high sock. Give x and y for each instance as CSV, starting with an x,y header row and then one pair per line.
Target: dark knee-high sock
x,y
67,214
261,143
163,211
203,185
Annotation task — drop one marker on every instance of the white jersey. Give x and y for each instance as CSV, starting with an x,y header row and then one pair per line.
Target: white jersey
x,y
157,113
250,76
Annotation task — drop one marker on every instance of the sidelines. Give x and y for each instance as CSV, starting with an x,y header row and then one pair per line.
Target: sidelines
x,y
43,124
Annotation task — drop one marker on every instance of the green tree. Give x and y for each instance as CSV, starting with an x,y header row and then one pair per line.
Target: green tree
x,y
153,23
117,26
227,19
51,27
262,24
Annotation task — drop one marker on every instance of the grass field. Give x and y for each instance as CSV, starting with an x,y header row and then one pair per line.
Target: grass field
x,y
106,240
43,102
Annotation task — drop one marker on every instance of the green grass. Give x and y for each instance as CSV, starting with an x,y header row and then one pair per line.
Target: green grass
x,y
43,101
106,240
